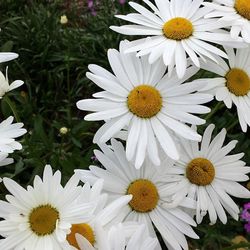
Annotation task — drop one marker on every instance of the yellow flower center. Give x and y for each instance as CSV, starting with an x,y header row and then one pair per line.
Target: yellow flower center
x,y
42,220
238,82
200,171
145,195
243,8
82,229
178,28
144,101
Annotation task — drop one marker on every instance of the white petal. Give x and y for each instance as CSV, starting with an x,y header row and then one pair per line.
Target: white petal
x,y
164,139
116,127
180,60
179,128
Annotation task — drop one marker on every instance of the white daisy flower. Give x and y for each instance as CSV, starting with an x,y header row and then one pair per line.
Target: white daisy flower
x,y
93,231
236,12
41,216
124,236
149,204
147,102
7,56
5,86
209,175
8,132
233,83
177,28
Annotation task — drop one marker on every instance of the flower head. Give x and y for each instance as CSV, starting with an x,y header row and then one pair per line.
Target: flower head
x,y
122,1
41,215
5,86
63,130
63,19
207,174
245,215
176,30
150,204
236,13
232,86
149,104
92,7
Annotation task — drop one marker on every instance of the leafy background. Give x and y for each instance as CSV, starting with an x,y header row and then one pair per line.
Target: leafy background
x,y
53,59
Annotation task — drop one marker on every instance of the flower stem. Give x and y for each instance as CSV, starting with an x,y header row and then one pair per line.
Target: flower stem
x,y
12,107
218,106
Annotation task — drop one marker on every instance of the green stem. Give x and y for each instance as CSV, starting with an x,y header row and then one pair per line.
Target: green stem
x,y
87,134
232,124
12,107
217,107
68,90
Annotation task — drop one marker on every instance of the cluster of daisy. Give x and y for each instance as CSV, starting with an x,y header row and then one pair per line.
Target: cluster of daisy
x,y
48,216
157,172
150,104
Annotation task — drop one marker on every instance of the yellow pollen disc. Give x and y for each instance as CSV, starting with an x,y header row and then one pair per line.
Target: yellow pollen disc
x,y
144,101
243,8
145,195
178,28
82,229
200,171
238,82
42,220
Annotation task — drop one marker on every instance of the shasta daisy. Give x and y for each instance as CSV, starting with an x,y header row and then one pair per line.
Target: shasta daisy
x,y
236,13
150,104
175,29
207,174
149,204
5,86
233,83
40,217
